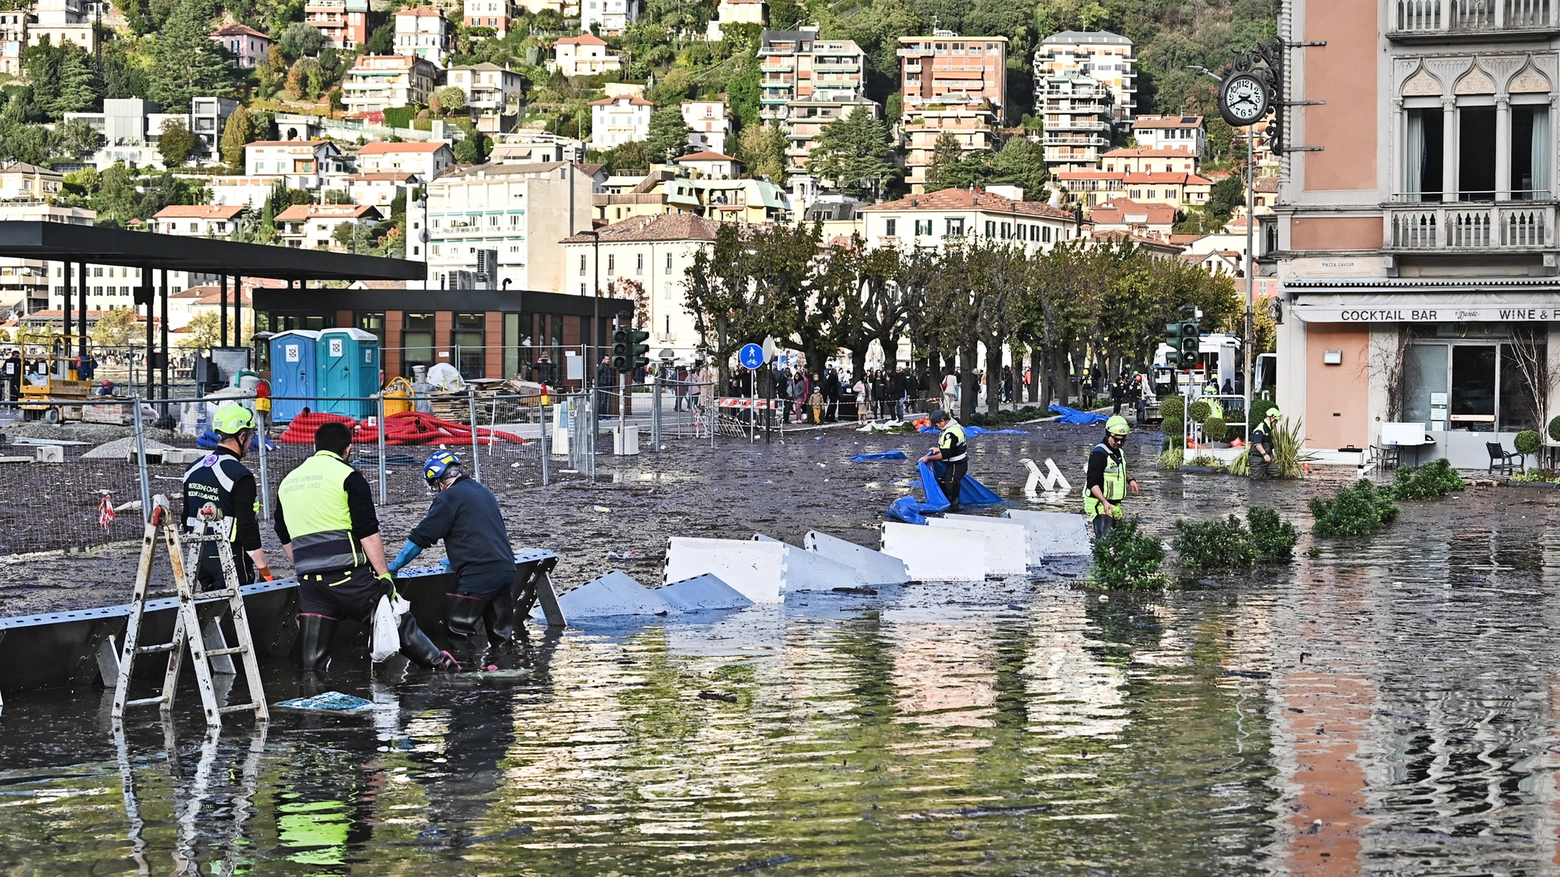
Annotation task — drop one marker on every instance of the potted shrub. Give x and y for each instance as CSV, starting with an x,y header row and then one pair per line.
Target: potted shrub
x,y
1173,428
1175,406
1528,442
1199,411
1554,430
1215,431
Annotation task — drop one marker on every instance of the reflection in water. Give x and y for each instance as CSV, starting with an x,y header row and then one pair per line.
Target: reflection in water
x,y
1384,707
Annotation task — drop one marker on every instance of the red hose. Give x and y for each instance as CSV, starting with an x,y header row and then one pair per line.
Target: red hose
x,y
419,428
301,430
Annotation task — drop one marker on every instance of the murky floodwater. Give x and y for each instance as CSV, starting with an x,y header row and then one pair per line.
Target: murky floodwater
x,y
1385,706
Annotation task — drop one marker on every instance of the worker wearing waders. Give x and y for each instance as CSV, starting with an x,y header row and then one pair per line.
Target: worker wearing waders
x,y
326,521
1259,458
953,451
220,497
1106,483
466,516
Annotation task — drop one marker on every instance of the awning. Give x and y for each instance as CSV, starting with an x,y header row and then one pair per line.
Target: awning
x,y
1416,300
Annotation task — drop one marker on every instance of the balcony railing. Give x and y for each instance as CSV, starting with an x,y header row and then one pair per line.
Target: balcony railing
x,y
1432,18
1514,225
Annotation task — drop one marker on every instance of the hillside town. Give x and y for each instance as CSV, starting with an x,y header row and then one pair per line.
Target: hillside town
x,y
347,127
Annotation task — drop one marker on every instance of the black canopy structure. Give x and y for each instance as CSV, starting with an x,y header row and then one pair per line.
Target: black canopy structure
x,y
83,245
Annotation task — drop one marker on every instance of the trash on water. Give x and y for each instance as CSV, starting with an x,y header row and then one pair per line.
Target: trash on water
x,y
329,701
602,508
625,554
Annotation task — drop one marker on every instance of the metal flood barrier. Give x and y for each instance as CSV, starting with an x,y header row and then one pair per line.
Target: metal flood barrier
x,y
81,647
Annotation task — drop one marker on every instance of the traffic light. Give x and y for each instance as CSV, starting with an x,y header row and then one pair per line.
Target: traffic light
x,y
1173,341
620,348
638,348
1191,344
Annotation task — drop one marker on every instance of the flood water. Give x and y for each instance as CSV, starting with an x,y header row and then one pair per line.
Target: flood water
x,y
1383,706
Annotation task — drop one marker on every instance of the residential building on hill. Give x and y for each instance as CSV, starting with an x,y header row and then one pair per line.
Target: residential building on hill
x,y
737,12
208,116
380,82
13,41
1124,214
1102,56
489,88
20,181
248,45
423,31
533,147
380,189
708,124
493,14
198,220
806,83
297,164
518,211
949,84
806,119
711,165
343,23
1079,117
584,55
668,190
618,120
936,219
652,253
1182,133
426,160
63,21
313,226
1141,160
610,17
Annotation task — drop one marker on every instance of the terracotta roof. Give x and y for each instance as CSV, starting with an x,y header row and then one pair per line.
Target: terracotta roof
x,y
239,30
1185,239
964,199
1147,152
706,155
301,212
420,11
1172,178
1266,184
635,100
200,211
1115,212
311,145
385,147
22,167
381,178
1117,236
208,294
661,227
1089,175
590,169
584,39
1167,122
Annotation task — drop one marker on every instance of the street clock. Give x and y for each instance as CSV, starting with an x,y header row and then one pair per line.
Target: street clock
x,y
1243,99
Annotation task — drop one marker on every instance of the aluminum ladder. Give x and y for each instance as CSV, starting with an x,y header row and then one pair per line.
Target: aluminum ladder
x,y
187,631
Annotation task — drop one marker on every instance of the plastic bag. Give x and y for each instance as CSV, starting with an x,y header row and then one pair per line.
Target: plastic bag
x,y
387,622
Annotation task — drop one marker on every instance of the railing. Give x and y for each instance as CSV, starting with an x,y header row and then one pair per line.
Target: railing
x,y
1432,17
1510,225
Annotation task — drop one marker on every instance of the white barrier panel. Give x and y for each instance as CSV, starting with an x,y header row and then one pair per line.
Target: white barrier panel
x,y
760,537
615,593
874,567
936,555
1007,542
809,571
702,593
754,569
1054,534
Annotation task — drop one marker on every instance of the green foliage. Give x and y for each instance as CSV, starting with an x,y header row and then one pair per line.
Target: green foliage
x,y
1358,510
1225,196
176,143
1240,467
762,150
451,98
301,40
473,148
381,40
1173,406
63,78
1527,442
1127,559
236,134
853,153
1260,407
1272,537
1215,544
1200,410
1207,461
668,134
633,157
1554,429
1171,458
1288,448
1435,479
400,117
186,62
1020,162
1174,429
743,90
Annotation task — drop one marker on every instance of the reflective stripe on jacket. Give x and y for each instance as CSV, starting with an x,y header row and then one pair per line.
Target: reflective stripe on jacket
x,y
318,517
953,444
1115,486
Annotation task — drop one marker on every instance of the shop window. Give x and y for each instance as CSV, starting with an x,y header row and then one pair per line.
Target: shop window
x,y
1474,370
1424,384
417,340
1523,366
467,335
1476,153
1423,153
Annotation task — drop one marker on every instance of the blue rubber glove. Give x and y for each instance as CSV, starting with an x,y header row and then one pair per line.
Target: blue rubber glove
x,y
408,553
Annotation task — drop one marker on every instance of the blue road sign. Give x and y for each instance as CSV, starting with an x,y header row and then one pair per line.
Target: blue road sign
x,y
751,356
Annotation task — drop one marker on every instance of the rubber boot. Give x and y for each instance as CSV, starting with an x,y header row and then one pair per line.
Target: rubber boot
x,y
499,616
461,614
420,650
315,634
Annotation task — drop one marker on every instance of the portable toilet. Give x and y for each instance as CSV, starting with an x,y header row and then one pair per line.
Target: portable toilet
x,y
348,363
294,373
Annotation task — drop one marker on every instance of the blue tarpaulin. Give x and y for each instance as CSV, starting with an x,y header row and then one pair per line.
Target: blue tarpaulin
x,y
879,457
1073,415
912,511
975,430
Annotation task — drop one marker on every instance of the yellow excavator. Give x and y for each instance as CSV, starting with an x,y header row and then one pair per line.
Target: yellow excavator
x,y
53,388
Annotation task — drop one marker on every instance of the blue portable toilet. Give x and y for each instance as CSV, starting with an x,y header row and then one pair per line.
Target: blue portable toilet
x,y
294,373
348,363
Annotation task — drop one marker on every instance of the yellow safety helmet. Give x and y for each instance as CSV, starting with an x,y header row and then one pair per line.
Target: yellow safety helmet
x,y
1117,425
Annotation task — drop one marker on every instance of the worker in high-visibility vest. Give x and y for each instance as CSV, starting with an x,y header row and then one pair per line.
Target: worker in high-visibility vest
x,y
325,518
220,497
1259,458
1106,481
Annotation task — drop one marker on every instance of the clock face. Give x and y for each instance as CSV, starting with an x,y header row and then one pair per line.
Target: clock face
x,y
1244,99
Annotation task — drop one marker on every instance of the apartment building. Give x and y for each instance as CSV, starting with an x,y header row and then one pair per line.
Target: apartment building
x,y
708,124
63,21
492,14
379,82
248,45
24,283
810,81
584,55
1101,56
343,23
313,226
730,12
426,160
1143,160
618,120
520,211
296,164
1079,115
610,17
488,88
1126,215
20,181
937,219
949,84
13,40
1176,133
425,32
198,220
